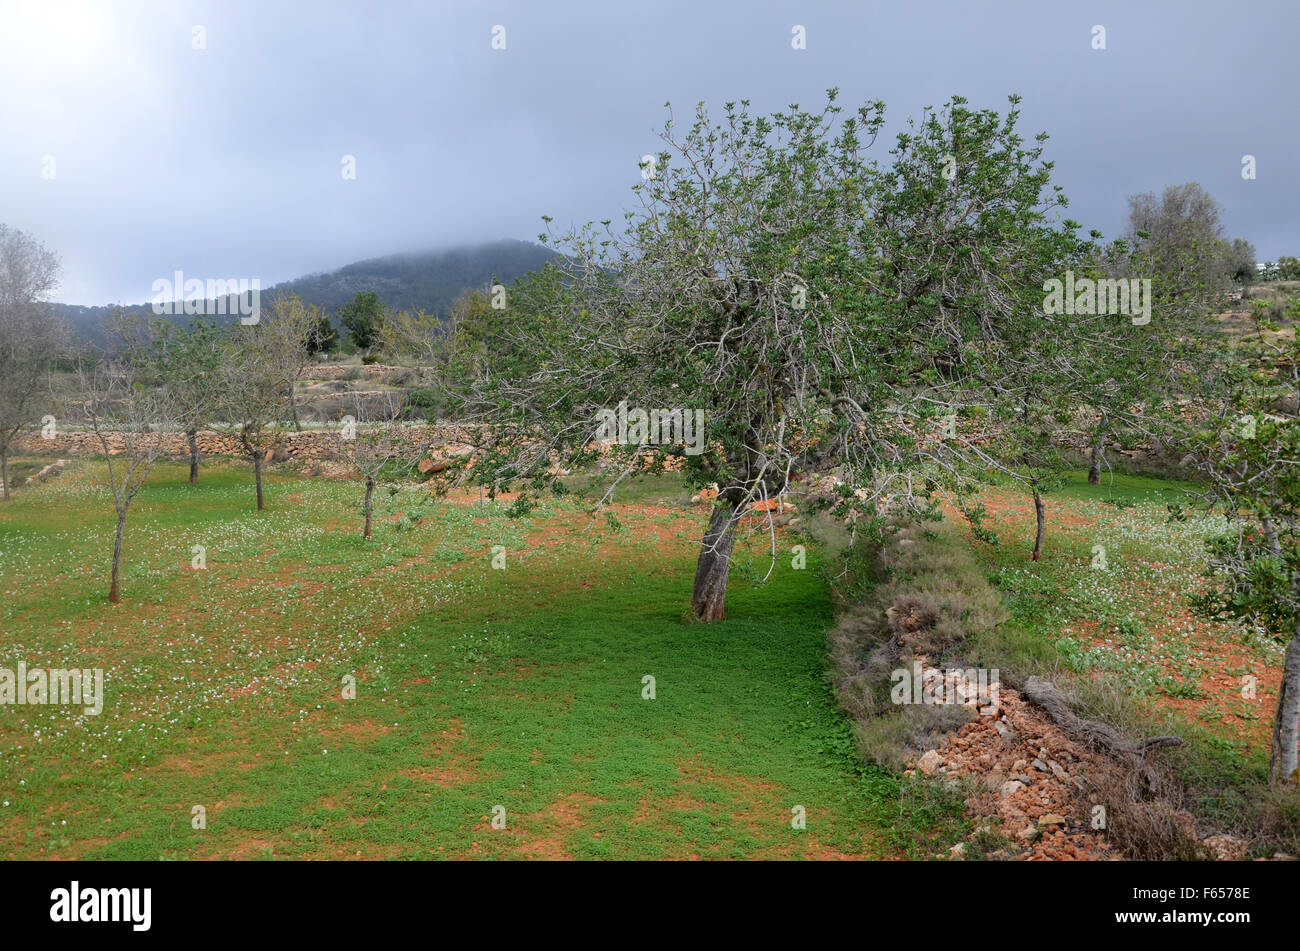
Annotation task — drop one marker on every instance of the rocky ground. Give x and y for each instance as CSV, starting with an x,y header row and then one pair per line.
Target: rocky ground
x,y
1030,786
1027,777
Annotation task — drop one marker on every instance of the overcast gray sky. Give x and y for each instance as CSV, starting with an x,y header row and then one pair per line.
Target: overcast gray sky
x,y
226,161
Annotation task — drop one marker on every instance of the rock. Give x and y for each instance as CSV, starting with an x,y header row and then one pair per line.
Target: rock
x,y
1003,730
958,851
1051,819
1010,788
1226,848
1040,766
1058,771
929,762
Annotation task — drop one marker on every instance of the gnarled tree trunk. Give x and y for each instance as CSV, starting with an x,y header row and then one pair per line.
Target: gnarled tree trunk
x,y
709,599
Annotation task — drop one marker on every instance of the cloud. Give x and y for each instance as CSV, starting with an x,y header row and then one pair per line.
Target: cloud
x,y
226,160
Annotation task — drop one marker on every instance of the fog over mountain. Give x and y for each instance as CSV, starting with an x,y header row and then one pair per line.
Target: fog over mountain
x,y
428,281
147,137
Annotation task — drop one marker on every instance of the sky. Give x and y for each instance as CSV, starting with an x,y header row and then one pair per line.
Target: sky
x,y
142,138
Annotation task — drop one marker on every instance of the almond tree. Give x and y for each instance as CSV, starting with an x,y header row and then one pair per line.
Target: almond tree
x,y
30,335
185,360
816,308
130,421
376,445
259,366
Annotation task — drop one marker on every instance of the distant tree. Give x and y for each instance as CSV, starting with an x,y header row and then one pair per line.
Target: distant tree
x,y
130,419
376,445
361,317
324,338
30,335
1181,237
1239,263
1288,268
258,371
483,334
299,325
182,359
472,327
410,336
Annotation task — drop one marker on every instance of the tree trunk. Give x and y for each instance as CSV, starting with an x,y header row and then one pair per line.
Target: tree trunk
x,y
1040,516
370,491
709,599
192,437
115,590
1286,727
1098,457
257,474
4,472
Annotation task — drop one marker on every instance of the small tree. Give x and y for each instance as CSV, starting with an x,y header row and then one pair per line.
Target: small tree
x,y
362,317
30,335
324,338
185,361
376,445
259,367
129,420
410,336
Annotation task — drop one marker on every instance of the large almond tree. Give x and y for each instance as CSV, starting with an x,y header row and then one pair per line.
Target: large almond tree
x,y
820,309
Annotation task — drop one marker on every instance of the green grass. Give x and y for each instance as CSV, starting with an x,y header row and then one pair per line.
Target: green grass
x,y
520,688
1123,488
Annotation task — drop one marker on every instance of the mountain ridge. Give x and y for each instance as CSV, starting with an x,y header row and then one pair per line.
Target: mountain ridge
x,y
425,280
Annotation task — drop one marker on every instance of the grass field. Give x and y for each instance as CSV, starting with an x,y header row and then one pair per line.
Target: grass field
x,y
1126,617
476,688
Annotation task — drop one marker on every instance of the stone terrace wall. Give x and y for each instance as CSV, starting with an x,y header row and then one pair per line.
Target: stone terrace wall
x,y
308,444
